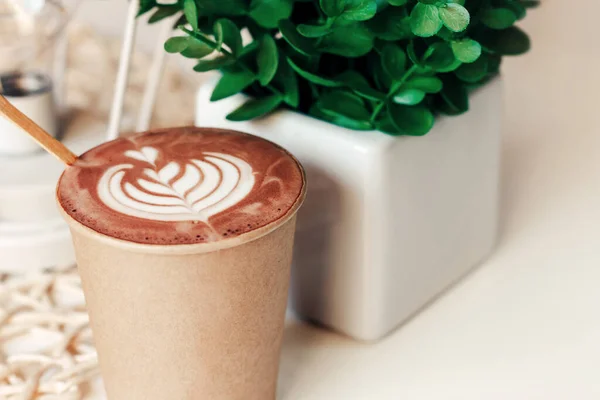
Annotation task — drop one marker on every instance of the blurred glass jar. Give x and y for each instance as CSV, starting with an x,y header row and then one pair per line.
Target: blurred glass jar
x,y
32,65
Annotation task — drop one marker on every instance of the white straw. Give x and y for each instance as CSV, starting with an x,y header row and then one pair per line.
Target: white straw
x,y
123,73
59,68
154,77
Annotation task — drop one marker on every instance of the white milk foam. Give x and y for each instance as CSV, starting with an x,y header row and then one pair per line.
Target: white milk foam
x,y
204,189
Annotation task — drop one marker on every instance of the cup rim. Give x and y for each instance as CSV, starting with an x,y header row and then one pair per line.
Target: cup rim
x,y
190,248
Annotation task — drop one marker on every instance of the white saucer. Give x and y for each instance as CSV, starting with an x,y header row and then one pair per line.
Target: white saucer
x,y
32,233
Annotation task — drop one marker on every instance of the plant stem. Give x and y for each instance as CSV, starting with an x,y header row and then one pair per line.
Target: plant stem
x,y
395,87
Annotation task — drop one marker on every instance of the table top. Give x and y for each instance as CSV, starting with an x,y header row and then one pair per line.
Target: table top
x,y
526,324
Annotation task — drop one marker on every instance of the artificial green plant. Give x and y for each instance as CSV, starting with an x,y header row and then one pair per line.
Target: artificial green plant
x,y
390,65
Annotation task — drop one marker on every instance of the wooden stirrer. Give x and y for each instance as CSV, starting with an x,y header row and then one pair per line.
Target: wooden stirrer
x,y
44,139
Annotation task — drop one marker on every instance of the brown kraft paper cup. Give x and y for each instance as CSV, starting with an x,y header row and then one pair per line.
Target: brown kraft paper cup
x,y
182,322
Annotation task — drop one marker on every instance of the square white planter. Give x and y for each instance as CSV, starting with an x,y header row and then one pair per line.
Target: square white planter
x,y
389,222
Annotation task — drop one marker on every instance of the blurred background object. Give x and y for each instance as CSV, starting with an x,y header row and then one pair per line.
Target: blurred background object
x,y
29,29
32,65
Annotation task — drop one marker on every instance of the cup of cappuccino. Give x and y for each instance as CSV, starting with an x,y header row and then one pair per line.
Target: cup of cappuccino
x,y
183,239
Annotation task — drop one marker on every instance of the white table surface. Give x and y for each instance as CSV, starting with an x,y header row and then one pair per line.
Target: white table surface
x,y
526,324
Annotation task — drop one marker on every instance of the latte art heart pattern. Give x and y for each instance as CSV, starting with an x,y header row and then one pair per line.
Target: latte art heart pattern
x,y
193,191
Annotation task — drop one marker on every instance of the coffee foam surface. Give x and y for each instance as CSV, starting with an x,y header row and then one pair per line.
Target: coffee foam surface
x,y
181,186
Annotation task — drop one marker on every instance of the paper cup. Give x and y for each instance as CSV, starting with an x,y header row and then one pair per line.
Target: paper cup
x,y
188,322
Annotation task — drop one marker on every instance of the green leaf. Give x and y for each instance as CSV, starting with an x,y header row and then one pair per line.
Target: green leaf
x,y
473,72
313,31
397,2
359,84
530,3
414,121
344,103
287,81
359,10
390,25
411,51
447,34
191,13
331,8
382,79
393,60
517,8
452,67
177,44
466,50
348,41
455,17
428,84
425,20
218,33
386,125
298,42
267,60
498,18
409,97
352,78
351,10
256,108
439,57
180,22
227,32
509,42
341,120
197,35
344,109
250,50
222,7
494,62
268,13
232,82
196,49
215,63
311,77
162,13
145,6
455,96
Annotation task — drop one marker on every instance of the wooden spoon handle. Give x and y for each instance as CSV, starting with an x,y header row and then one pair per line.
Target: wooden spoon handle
x,y
43,138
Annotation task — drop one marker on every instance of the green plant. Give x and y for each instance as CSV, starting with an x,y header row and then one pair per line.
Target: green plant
x,y
390,65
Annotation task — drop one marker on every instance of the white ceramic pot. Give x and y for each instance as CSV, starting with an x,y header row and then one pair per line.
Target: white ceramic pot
x,y
389,222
